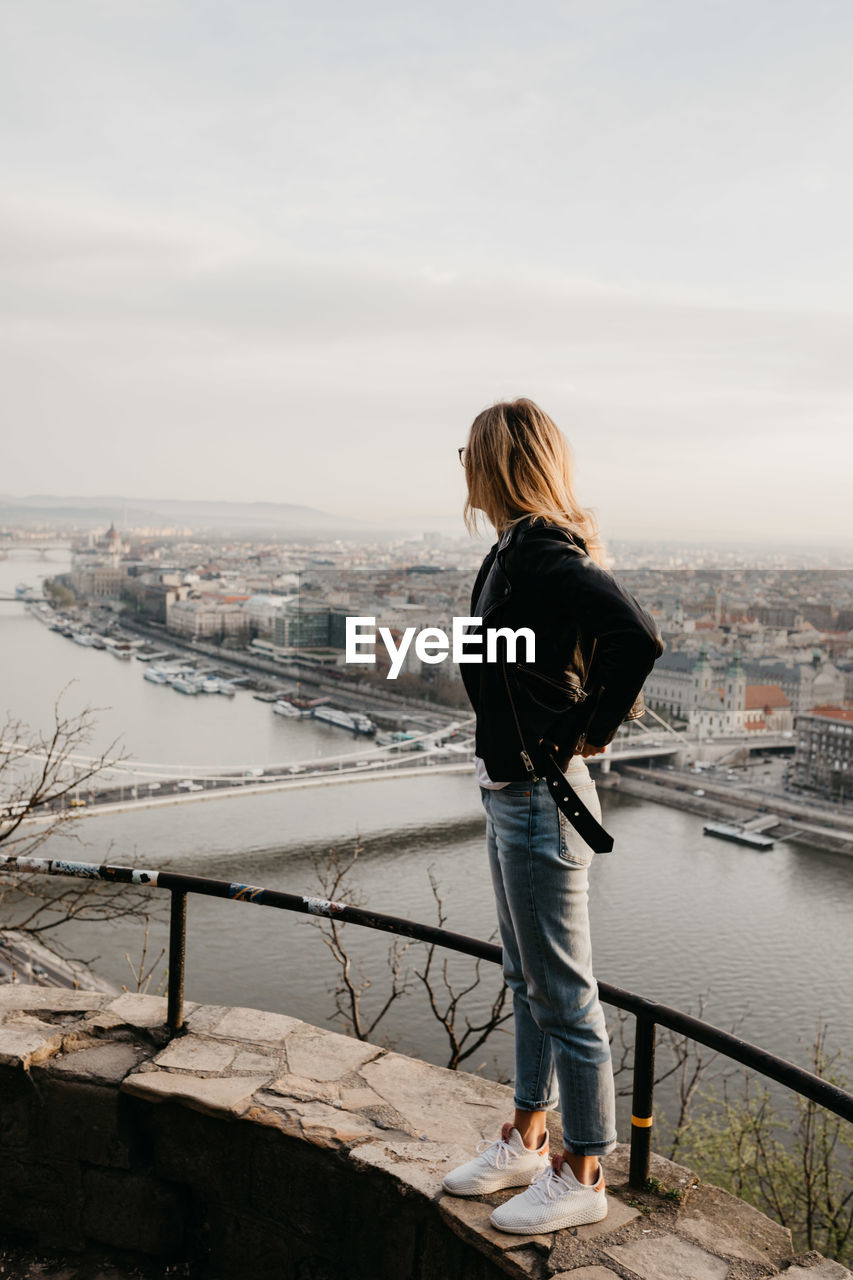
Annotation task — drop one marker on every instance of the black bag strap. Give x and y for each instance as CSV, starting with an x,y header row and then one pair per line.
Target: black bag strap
x,y
569,802
540,763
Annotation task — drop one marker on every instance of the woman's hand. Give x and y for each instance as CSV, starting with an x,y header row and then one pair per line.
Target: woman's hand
x,y
589,750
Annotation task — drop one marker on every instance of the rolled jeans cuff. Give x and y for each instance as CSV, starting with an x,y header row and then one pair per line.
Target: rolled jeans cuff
x,y
588,1148
548,1104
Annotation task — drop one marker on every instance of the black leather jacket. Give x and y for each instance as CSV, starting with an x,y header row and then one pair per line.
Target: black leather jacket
x,y
595,645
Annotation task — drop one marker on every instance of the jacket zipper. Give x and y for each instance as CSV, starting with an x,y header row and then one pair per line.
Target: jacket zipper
x,y
563,686
525,758
589,668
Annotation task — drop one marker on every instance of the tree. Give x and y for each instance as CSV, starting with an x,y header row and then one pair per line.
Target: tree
x,y
796,1167
58,591
446,1008
39,771
40,776
445,1001
449,996
350,988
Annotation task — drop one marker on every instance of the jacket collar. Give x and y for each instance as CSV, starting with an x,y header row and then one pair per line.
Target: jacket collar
x,y
514,530
517,530
497,588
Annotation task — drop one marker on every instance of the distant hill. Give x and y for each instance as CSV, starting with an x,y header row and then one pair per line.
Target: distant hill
x,y
231,517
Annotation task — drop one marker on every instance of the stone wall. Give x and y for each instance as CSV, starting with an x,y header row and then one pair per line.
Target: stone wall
x,y
257,1146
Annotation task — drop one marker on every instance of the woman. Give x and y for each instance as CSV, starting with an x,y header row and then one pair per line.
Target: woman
x,y
594,647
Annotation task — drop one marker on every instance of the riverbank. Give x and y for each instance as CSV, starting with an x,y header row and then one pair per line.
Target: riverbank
x,y
352,696
25,960
793,824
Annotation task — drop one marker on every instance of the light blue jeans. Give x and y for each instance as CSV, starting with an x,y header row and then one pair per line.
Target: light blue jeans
x,y
539,868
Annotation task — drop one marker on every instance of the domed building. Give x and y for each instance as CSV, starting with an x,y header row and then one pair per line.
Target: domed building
x,y
111,545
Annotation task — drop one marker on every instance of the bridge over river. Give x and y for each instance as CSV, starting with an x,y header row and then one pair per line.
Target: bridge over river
x,y
128,783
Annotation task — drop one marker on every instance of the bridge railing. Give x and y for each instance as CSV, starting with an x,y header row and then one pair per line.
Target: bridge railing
x,y
649,1014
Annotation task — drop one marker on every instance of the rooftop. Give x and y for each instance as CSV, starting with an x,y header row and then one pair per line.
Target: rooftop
x,y
844,713
765,695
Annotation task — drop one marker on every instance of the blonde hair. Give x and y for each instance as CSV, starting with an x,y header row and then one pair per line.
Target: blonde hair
x,y
518,464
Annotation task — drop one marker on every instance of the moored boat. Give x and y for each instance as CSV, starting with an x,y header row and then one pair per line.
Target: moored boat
x,y
284,708
352,720
186,684
737,835
121,650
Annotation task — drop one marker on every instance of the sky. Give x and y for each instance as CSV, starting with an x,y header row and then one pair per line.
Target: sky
x,y
284,252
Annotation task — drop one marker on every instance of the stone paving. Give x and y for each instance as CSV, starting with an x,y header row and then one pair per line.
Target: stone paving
x,y
397,1119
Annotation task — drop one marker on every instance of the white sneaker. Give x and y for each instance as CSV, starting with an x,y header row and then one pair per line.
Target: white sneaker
x,y
555,1199
506,1162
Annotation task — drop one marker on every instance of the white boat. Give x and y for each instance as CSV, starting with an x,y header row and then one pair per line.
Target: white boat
x,y
80,637
43,612
186,684
123,651
210,684
284,708
156,676
345,719
226,688
177,673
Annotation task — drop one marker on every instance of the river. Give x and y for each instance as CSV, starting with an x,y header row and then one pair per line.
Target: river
x,y
765,937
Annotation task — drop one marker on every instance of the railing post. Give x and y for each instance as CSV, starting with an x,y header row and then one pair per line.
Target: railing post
x,y
642,1106
177,958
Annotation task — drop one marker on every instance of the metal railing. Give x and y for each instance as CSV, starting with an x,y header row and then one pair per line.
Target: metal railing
x,y
649,1014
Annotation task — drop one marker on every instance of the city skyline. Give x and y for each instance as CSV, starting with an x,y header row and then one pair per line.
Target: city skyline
x,y
70,517
264,255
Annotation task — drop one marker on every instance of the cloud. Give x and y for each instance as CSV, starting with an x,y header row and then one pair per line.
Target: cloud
x,y
288,254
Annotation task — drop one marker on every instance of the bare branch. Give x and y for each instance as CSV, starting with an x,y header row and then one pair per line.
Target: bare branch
x,y
462,1043
333,874
38,771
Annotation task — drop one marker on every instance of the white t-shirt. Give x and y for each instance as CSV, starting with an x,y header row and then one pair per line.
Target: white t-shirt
x,y
483,777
